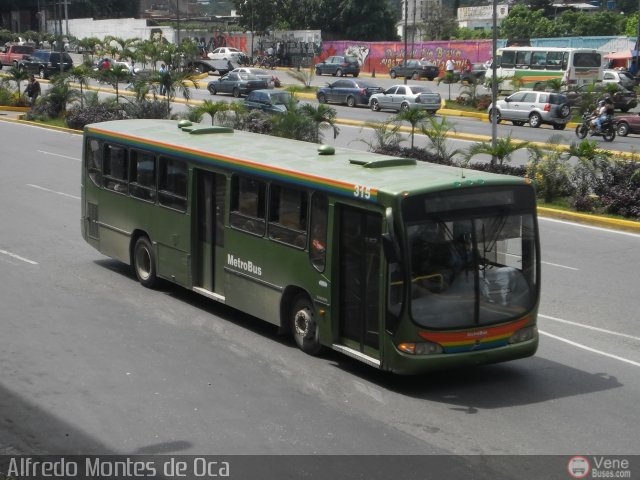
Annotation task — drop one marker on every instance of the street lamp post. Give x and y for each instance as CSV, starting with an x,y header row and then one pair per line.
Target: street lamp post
x,y
494,83
406,17
178,21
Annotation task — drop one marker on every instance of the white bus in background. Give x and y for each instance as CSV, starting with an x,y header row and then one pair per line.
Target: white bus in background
x,y
536,65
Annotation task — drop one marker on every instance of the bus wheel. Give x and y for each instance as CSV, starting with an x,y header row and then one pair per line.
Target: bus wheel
x,y
304,327
144,262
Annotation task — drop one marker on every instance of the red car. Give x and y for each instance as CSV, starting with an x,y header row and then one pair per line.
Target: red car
x,y
626,124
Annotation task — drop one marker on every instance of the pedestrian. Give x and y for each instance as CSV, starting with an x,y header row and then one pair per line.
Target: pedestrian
x,y
33,90
163,76
633,69
450,66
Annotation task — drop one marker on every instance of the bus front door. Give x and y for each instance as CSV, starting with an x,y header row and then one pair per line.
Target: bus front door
x,y
360,280
207,265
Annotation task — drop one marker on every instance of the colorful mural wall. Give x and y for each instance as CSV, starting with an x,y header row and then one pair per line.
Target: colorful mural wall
x,y
378,57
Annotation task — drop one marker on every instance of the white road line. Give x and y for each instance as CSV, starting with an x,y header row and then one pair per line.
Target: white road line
x,y
591,227
52,191
560,266
18,257
58,155
592,350
589,327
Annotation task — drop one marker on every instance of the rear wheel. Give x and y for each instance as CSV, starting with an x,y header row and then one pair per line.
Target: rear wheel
x,y
393,74
304,326
609,134
339,73
559,126
322,98
144,262
404,107
535,120
415,76
375,105
623,129
497,115
565,110
517,123
351,101
236,92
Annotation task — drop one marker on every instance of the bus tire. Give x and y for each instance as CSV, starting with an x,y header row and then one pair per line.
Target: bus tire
x,y
304,327
144,262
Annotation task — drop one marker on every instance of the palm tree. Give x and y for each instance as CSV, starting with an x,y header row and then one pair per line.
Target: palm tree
x,y
115,75
172,83
555,84
81,75
58,97
502,152
18,75
303,76
386,136
437,132
211,108
322,115
414,117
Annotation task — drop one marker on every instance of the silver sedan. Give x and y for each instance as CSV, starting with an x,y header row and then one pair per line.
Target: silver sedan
x,y
404,97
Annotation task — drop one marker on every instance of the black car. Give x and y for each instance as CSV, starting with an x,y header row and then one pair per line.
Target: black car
x,y
339,65
236,84
45,63
415,69
623,99
352,92
270,101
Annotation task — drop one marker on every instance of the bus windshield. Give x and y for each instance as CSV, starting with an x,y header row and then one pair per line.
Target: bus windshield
x,y
471,266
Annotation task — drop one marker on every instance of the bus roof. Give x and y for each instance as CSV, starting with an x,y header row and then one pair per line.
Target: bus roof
x,y
293,161
551,49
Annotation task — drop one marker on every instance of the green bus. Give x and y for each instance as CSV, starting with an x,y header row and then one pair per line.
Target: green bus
x,y
406,266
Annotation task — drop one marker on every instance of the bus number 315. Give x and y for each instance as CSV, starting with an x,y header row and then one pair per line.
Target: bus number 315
x,y
360,191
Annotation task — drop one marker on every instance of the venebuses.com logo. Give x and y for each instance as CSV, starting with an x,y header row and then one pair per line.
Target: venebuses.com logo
x,y
599,467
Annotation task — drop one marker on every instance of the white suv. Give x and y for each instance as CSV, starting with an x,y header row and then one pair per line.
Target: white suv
x,y
534,108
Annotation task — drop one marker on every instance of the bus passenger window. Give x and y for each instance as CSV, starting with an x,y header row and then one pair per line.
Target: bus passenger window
x,y
318,240
143,175
115,169
94,161
288,216
172,183
248,204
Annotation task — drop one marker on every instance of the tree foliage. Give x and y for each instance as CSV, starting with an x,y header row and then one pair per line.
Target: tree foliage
x,y
368,20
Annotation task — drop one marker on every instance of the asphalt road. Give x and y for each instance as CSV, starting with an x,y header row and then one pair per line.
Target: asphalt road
x,y
94,363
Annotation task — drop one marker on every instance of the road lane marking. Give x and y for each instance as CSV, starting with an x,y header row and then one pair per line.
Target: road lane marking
x,y
597,329
53,191
589,349
18,257
58,155
559,266
582,225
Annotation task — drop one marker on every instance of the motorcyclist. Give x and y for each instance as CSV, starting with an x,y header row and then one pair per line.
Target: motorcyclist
x,y
605,109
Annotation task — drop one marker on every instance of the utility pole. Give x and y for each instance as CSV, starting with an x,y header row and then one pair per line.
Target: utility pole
x,y
178,21
406,18
494,83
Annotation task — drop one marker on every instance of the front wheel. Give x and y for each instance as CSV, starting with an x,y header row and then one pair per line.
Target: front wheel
x,y
497,115
415,76
212,89
393,74
322,98
581,131
304,326
375,105
144,262
609,134
351,101
318,72
236,92
404,107
41,73
339,73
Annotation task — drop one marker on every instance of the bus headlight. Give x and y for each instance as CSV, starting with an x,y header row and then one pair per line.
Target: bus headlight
x,y
420,348
523,335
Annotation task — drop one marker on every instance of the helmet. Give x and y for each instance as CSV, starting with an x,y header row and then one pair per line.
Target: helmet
x,y
601,103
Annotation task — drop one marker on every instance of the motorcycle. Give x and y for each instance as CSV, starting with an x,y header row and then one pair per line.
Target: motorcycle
x,y
607,130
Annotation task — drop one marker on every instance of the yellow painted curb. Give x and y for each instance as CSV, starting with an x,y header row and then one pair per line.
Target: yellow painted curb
x,y
620,224
8,108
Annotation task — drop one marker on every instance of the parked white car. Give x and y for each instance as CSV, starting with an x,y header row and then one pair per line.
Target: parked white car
x,y
225,53
621,77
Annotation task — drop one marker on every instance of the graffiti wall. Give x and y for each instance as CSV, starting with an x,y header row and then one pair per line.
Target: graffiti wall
x,y
380,56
